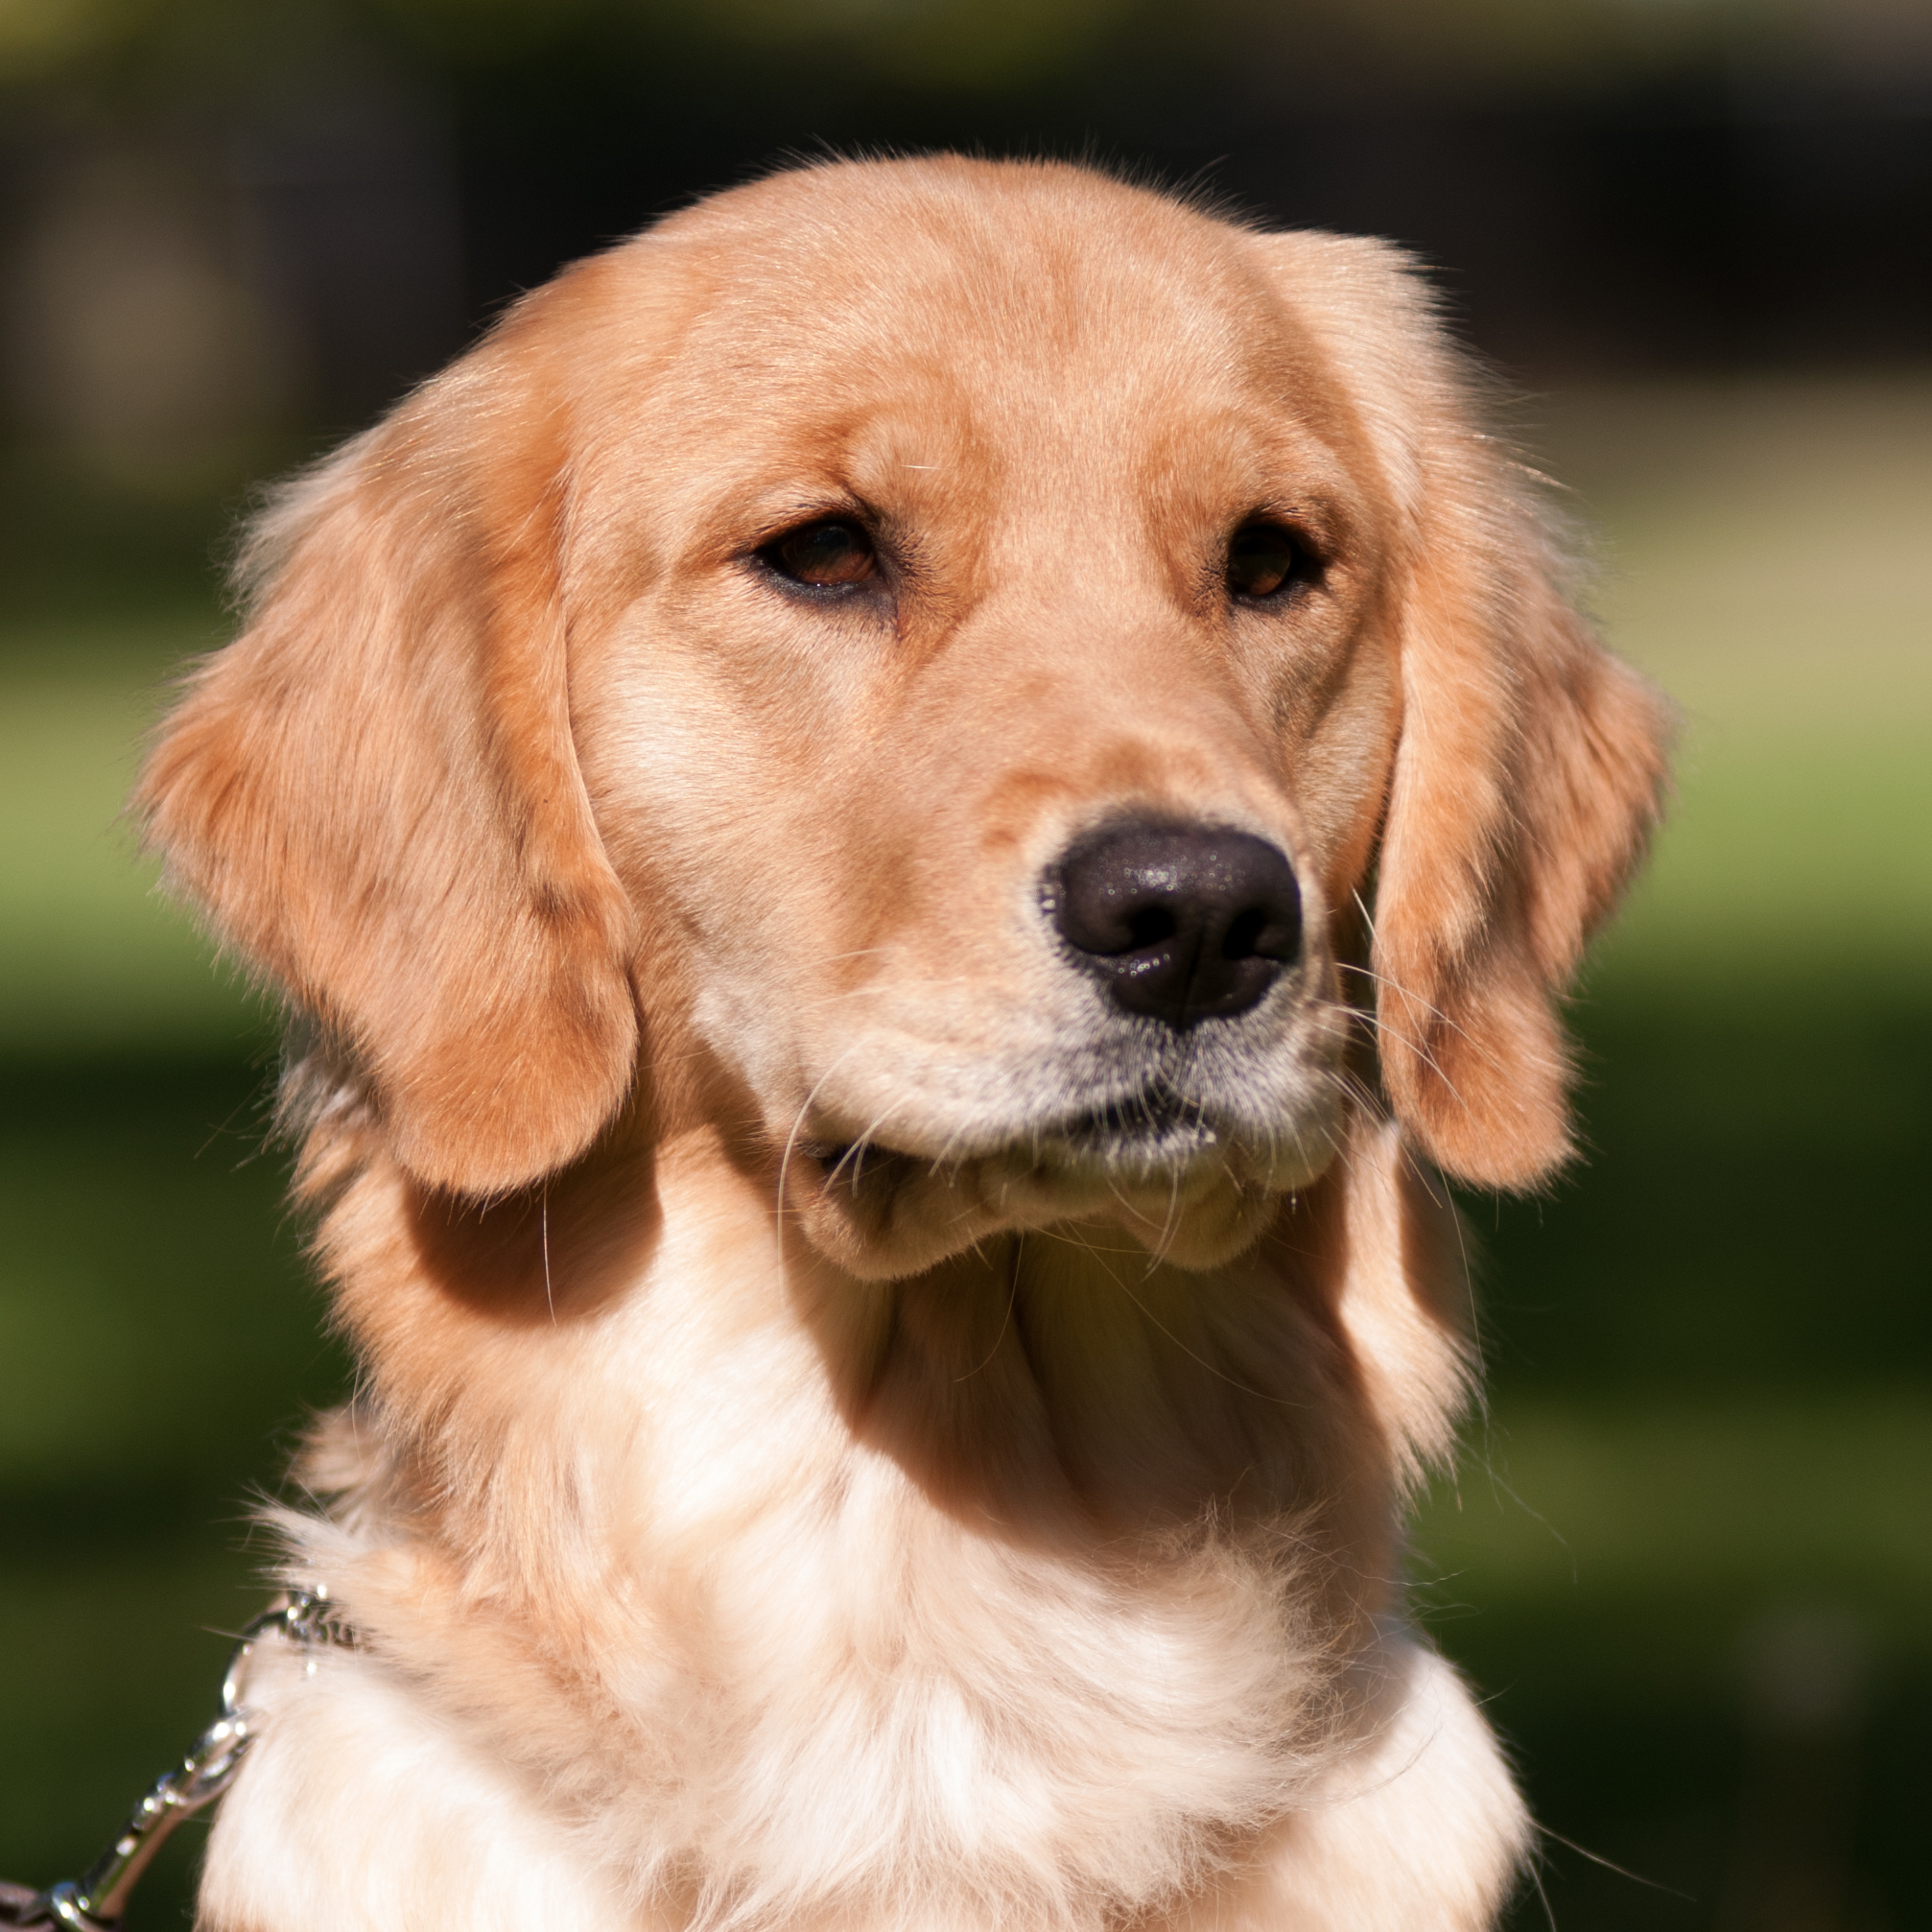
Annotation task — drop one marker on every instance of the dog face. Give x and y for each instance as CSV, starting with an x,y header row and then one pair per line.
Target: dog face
x,y
998,722
947,644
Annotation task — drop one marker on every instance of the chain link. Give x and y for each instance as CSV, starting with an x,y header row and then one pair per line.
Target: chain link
x,y
96,1901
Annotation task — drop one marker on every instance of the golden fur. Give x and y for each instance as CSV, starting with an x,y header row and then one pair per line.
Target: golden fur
x,y
799,1481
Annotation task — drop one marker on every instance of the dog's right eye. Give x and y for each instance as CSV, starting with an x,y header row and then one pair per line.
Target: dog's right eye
x,y
823,554
1263,559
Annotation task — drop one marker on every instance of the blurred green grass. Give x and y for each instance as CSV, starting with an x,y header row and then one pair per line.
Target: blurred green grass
x,y
92,960
1710,1350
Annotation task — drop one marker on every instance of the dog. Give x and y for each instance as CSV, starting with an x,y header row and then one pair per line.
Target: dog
x,y
904,826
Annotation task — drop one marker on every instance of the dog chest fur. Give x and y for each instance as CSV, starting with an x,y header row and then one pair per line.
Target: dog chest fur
x,y
861,1597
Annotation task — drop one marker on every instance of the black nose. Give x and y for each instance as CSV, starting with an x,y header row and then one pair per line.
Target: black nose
x,y
1180,922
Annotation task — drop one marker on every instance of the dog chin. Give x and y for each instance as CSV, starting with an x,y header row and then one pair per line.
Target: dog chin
x,y
1191,1197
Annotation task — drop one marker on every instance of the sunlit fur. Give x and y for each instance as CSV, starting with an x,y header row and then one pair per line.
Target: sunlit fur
x,y
856,1432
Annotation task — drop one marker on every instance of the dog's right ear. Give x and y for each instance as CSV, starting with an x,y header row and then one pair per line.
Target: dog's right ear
x,y
374,796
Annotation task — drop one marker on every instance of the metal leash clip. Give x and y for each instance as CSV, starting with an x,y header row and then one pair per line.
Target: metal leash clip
x,y
96,1901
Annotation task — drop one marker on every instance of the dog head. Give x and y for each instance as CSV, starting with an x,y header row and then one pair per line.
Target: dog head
x,y
978,653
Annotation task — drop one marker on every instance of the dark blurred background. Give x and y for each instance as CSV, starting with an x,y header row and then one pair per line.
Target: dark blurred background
x,y
1688,1557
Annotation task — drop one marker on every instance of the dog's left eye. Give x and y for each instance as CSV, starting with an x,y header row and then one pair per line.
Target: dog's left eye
x,y
823,554
1261,558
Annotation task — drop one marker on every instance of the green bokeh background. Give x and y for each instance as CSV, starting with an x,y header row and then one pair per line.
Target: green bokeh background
x,y
1688,1553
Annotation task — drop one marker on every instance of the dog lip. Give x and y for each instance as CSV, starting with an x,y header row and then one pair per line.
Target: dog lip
x,y
1151,1115
1149,1125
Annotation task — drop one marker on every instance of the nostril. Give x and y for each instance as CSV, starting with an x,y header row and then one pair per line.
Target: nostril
x,y
1244,931
1150,926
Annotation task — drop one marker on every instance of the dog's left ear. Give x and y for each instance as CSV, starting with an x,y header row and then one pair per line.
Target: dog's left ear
x,y
1531,764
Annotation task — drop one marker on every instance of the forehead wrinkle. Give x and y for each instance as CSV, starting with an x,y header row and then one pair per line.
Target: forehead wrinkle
x,y
1016,301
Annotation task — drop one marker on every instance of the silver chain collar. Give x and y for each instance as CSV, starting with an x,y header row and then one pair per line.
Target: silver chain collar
x,y
96,1901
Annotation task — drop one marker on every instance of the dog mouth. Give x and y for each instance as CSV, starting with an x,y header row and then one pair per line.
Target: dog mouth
x,y
1153,1128
1149,1132
1190,1175
1181,1180
1186,1143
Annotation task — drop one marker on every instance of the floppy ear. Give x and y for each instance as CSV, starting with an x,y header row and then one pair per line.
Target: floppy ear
x,y
1530,766
373,792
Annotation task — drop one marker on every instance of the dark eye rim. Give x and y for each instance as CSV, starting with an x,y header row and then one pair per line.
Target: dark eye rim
x,y
1306,571
765,555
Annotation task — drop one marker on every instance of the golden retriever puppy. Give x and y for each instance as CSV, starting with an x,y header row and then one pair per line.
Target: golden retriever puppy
x,y
902,823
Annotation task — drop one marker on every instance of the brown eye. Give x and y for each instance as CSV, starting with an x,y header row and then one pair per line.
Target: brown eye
x,y
823,554
1262,558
